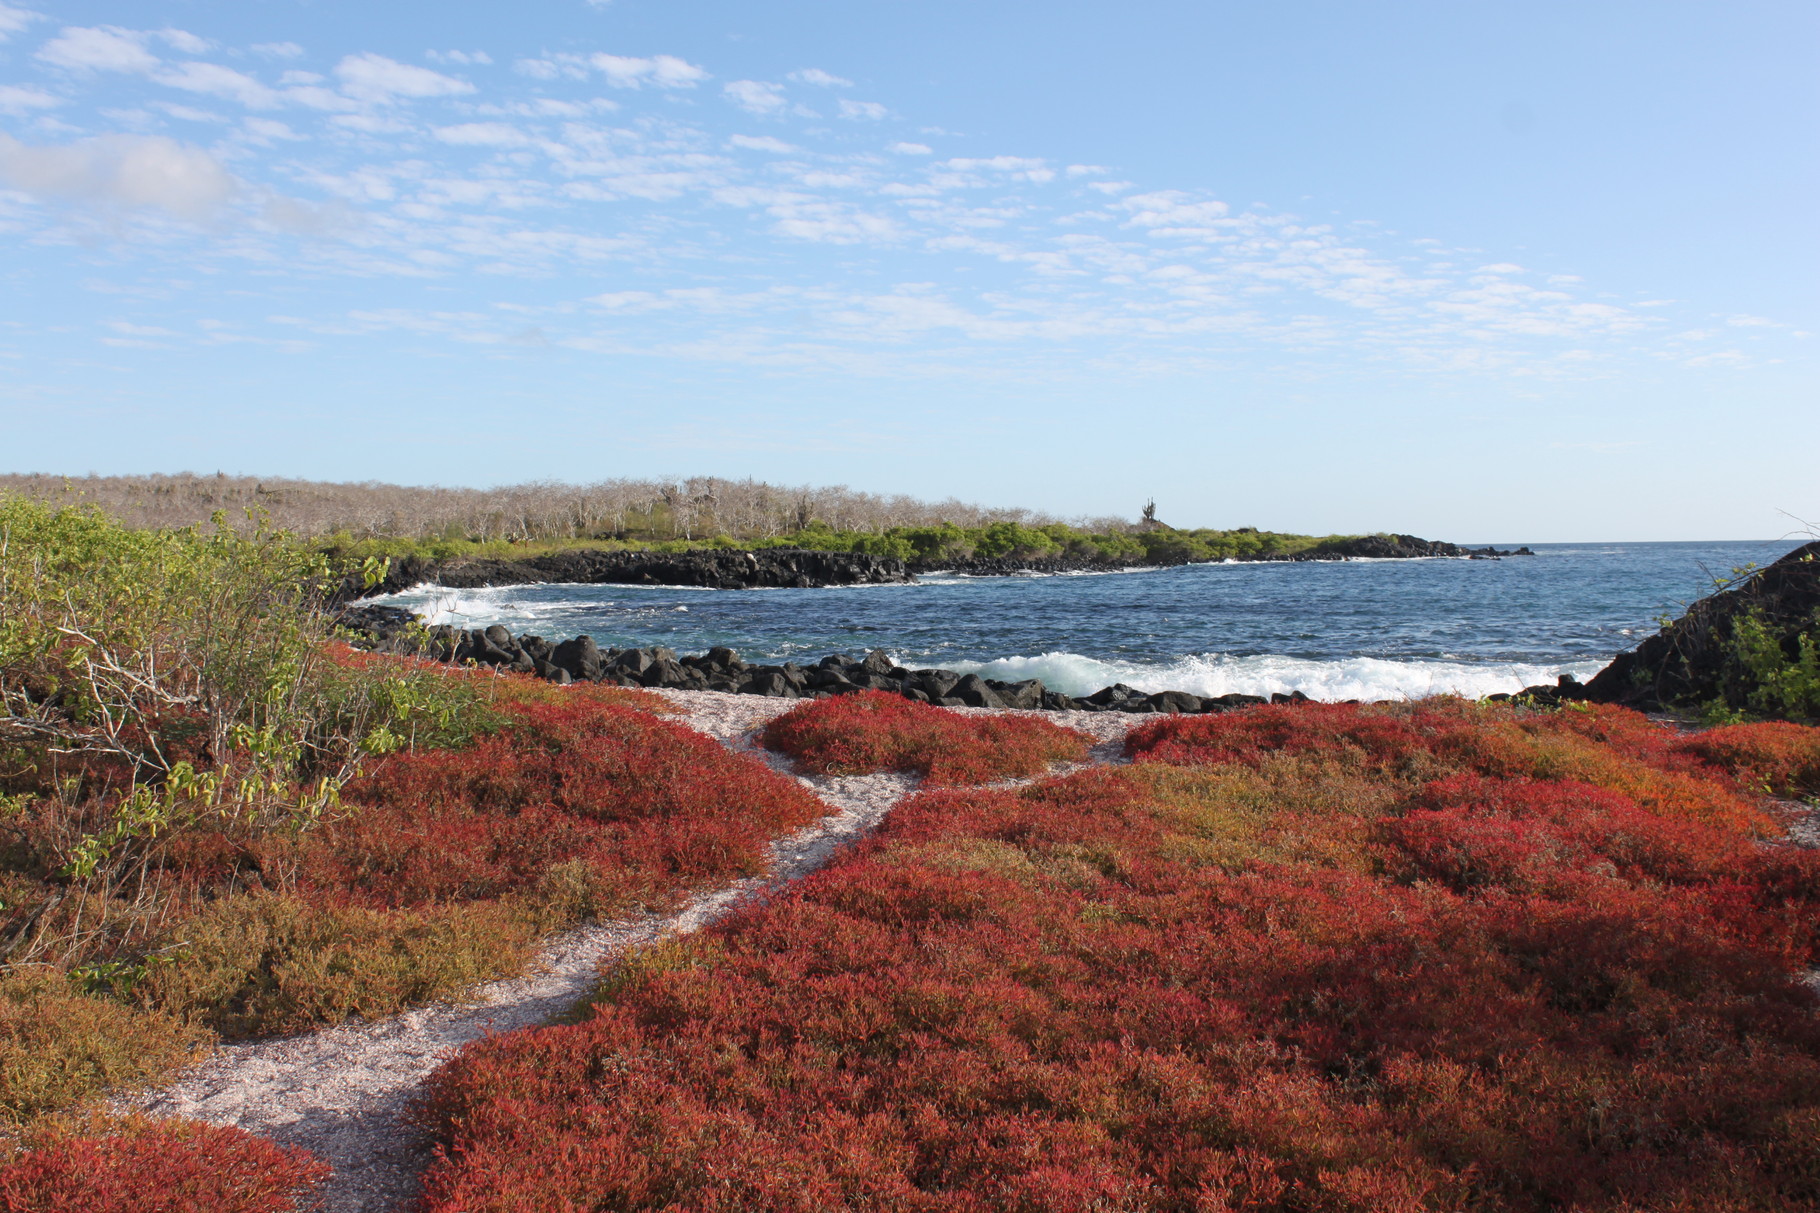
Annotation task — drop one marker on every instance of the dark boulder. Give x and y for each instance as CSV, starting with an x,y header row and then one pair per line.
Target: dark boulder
x,y
663,672
1114,695
974,692
633,663
579,656
1175,701
1026,695
934,683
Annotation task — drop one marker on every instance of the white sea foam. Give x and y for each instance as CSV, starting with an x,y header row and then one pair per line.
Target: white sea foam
x,y
1368,678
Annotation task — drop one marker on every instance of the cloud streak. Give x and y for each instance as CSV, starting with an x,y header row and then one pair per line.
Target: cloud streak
x,y
861,234
121,171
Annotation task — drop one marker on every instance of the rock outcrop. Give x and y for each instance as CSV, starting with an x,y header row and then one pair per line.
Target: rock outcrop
x,y
1700,659
1361,547
791,568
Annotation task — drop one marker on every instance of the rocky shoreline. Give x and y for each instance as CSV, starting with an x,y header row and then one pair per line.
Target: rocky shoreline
x,y
579,659
804,568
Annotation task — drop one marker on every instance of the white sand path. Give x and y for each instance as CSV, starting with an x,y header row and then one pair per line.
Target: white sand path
x,y
343,1093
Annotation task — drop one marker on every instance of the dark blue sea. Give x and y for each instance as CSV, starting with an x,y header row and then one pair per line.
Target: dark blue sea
x,y
1366,629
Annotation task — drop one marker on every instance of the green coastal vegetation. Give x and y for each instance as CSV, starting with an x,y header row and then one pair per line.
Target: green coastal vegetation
x,y
352,522
924,546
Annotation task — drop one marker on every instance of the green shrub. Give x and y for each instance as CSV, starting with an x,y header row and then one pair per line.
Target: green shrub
x,y
1777,683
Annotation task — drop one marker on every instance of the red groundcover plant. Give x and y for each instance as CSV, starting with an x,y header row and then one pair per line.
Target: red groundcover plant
x,y
585,784
1783,757
647,806
878,731
1607,747
158,1167
1354,973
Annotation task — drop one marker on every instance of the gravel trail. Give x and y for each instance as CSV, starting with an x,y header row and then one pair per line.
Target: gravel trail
x,y
342,1093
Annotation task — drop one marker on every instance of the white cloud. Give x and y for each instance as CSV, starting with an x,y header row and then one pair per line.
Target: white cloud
x,y
549,69
755,97
12,20
762,143
1502,267
483,134
462,57
219,81
868,110
912,149
187,113
371,77
628,301
308,218
184,42
102,49
659,71
21,99
130,171
815,75
315,97
278,50
1018,167
1174,212
266,131
1750,322
1086,170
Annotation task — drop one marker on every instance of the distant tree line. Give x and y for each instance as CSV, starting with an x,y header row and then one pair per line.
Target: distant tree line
x,y
695,509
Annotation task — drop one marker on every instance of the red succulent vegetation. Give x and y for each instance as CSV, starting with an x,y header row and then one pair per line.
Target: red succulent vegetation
x,y
1310,959
878,731
1607,747
1784,757
647,806
166,1166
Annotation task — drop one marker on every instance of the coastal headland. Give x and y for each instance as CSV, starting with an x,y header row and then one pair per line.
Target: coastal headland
x,y
805,568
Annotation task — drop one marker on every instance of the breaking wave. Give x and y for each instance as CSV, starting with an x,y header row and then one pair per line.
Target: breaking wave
x,y
1367,678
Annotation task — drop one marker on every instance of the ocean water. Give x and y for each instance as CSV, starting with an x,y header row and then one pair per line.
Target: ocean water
x,y
1367,629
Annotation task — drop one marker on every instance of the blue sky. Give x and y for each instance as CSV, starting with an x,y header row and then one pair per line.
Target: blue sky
x,y
1513,272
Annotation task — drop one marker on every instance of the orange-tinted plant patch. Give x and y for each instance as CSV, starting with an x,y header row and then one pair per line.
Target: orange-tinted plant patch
x,y
1612,748
1785,757
877,731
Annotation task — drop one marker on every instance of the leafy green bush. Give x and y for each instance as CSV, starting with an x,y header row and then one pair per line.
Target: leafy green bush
x,y
1777,683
